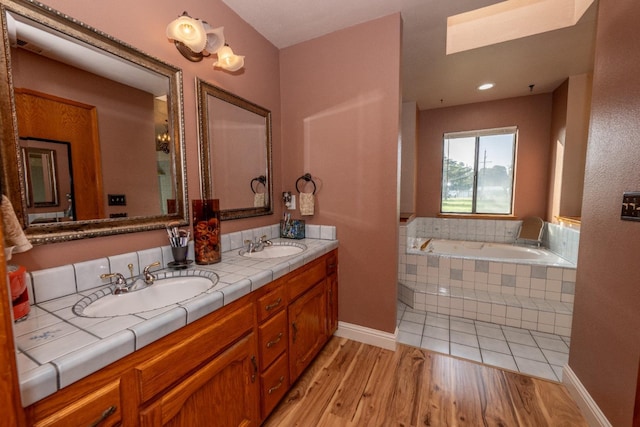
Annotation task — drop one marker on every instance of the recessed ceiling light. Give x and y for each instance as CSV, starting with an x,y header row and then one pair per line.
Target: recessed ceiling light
x,y
485,86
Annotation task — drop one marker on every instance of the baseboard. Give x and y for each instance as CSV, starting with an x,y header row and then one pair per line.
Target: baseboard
x,y
589,408
367,335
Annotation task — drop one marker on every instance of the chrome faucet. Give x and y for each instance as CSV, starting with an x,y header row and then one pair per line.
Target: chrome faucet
x,y
148,277
257,244
265,241
251,246
121,282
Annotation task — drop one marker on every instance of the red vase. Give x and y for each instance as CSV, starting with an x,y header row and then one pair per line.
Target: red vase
x,y
206,230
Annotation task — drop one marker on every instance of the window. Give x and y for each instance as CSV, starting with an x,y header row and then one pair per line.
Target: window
x,y
477,171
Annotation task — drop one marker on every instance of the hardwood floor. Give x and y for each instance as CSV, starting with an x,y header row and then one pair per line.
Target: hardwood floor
x,y
354,384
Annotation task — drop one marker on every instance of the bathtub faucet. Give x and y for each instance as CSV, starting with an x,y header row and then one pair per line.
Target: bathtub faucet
x,y
425,244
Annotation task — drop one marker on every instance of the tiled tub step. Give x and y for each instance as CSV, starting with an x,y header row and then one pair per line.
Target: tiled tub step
x,y
518,311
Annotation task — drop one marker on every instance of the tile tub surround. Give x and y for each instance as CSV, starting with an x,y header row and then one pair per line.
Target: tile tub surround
x,y
534,297
56,348
561,240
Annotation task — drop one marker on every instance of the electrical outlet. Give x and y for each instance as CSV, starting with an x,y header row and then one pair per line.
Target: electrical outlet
x,y
630,206
292,204
116,200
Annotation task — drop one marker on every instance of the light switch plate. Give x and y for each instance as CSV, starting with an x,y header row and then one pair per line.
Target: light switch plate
x,y
630,206
116,200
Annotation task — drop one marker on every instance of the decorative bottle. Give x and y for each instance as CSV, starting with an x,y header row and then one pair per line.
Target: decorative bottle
x,y
206,230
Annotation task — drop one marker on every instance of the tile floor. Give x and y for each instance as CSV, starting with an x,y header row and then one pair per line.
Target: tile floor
x,y
533,353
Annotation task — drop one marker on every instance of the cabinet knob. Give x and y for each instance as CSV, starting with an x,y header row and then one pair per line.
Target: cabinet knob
x,y
255,368
273,305
274,341
277,386
105,414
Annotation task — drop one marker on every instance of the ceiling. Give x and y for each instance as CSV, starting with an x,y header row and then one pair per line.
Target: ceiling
x,y
431,78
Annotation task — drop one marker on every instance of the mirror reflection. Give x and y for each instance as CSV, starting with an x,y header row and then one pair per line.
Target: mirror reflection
x,y
235,147
118,110
47,173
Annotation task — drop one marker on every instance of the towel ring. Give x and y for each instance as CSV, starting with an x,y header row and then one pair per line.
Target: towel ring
x,y
261,180
306,177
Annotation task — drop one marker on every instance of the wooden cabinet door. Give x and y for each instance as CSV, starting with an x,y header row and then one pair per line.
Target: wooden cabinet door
x,y
307,328
224,393
332,289
332,299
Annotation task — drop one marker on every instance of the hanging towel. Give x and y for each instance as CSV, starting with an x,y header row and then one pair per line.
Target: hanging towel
x,y
307,204
13,234
258,200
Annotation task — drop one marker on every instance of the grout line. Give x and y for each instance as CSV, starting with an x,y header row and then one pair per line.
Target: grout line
x,y
508,342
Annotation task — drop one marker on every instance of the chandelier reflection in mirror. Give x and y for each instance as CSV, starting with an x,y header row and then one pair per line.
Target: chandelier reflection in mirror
x,y
196,39
163,140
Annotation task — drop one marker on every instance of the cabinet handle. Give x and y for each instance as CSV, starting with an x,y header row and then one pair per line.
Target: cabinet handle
x,y
106,414
295,331
255,369
274,341
275,387
271,306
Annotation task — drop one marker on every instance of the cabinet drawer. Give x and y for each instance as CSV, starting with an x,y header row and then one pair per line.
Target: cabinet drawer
x,y
160,372
305,280
100,407
272,338
274,383
271,303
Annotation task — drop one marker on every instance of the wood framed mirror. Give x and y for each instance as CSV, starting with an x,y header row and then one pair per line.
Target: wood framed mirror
x,y
126,142
235,152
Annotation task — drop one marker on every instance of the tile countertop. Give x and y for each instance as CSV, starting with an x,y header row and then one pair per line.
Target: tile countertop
x,y
56,348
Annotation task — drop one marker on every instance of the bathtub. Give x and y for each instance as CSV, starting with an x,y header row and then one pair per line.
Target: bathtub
x,y
487,251
490,281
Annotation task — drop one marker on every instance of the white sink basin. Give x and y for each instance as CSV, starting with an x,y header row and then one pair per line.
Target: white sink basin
x,y
162,293
276,251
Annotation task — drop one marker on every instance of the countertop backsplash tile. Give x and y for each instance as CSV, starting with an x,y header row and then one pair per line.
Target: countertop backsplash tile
x,y
53,283
88,273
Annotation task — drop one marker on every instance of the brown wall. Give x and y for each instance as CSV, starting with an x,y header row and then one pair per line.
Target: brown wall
x,y
605,341
144,26
340,122
532,116
556,147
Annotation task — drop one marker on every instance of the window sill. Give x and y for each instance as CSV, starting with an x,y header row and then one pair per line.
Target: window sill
x,y
477,216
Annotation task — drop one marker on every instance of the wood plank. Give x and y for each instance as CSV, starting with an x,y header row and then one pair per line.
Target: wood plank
x,y
414,387
374,404
347,398
290,408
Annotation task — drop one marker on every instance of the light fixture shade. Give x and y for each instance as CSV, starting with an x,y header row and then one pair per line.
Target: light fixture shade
x,y
215,38
228,60
189,31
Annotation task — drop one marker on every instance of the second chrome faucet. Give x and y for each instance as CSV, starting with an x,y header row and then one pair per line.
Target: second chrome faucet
x,y
121,282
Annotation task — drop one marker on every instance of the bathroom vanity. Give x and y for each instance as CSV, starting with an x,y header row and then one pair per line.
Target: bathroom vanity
x,y
230,367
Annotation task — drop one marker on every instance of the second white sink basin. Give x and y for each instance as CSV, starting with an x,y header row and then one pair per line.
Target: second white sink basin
x,y
276,250
162,293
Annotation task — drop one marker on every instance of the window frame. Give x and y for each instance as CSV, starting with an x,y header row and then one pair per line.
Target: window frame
x,y
477,134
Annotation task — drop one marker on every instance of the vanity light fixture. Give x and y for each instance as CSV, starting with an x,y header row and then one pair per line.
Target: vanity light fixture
x,y
196,39
486,86
228,60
